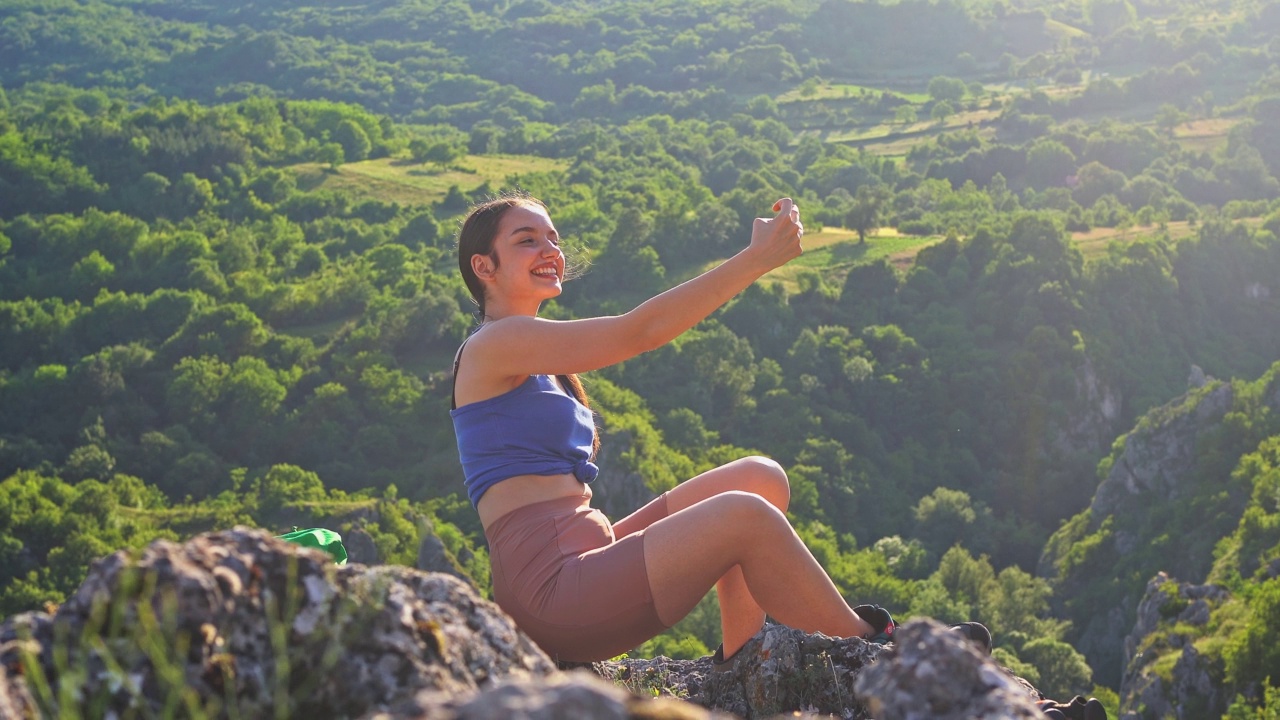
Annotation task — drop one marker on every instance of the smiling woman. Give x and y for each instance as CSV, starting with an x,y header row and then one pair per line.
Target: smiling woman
x,y
582,587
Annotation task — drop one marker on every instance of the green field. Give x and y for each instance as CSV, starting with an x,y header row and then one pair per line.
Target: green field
x,y
834,250
840,91
1094,244
411,183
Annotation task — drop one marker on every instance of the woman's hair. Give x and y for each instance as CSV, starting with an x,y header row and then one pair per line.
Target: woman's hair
x,y
476,237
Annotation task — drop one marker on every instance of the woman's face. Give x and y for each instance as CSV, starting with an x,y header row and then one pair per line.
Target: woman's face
x,y
530,263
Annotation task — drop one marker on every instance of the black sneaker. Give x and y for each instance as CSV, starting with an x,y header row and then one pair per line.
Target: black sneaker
x,y
880,621
1078,708
977,633
720,663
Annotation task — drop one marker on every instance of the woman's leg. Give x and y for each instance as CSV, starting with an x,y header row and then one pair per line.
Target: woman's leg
x,y
742,542
740,615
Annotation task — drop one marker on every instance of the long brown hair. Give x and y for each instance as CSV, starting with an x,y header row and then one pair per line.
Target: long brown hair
x,y
476,237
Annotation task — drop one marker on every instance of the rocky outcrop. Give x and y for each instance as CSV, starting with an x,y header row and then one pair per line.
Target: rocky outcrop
x,y
930,673
16,700
1154,469
433,556
1190,691
240,619
1091,423
779,670
579,694
1158,455
360,547
242,624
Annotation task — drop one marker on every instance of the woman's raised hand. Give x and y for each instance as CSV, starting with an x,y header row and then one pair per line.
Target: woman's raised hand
x,y
776,240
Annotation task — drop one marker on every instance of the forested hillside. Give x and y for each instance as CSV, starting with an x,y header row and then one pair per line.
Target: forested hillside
x,y
228,291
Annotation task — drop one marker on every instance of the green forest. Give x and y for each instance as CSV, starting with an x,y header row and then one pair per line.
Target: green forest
x,y
1038,233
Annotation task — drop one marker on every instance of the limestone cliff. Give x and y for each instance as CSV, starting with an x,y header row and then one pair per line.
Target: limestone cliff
x,y
1169,494
1133,528
1168,620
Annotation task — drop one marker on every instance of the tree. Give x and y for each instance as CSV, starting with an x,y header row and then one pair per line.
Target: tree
x,y
1063,670
330,154
943,518
418,149
284,484
442,153
353,139
92,271
1108,16
1095,180
1049,164
1169,117
947,89
868,204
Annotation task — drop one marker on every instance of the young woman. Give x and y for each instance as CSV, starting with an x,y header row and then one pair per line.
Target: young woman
x,y
582,588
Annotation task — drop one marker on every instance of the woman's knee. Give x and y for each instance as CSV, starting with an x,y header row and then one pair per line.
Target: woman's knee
x,y
747,511
767,479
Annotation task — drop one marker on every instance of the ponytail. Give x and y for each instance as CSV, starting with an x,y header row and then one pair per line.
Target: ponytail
x,y
579,393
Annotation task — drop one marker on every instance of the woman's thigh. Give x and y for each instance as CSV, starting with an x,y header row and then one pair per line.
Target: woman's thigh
x,y
687,552
755,474
569,585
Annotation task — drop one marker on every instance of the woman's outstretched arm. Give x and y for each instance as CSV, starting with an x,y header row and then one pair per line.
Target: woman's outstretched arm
x,y
522,345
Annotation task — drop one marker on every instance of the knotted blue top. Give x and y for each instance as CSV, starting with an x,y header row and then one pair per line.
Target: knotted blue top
x,y
535,429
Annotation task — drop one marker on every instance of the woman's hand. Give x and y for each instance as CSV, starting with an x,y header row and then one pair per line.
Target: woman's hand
x,y
776,241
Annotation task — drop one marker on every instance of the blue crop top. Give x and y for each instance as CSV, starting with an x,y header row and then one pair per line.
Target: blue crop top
x,y
535,429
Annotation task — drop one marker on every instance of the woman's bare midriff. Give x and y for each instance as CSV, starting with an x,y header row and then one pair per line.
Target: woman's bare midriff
x,y
514,493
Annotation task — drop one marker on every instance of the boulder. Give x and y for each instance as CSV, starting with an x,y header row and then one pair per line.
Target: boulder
x,y
433,556
936,674
930,673
242,620
360,547
579,694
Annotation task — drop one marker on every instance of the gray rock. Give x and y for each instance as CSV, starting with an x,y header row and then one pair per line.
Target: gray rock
x,y
433,556
1090,423
563,696
782,671
933,674
1190,692
360,547
1160,452
1197,378
16,700
242,618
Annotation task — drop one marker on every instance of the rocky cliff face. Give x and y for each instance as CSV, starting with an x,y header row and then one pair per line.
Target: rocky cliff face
x,y
240,624
1169,496
1152,474
1188,689
1158,456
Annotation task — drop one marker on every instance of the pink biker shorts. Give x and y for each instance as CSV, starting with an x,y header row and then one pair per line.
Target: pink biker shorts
x,y
580,592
